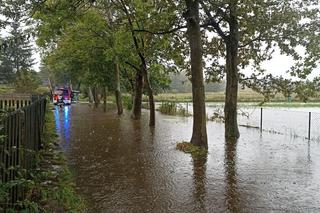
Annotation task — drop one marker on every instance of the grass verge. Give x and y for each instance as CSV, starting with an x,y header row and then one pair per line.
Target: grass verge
x,y
50,186
54,181
243,96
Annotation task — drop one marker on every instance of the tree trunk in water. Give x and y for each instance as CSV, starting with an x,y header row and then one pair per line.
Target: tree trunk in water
x,y
152,120
232,44
96,96
105,99
137,102
231,180
117,89
199,134
90,95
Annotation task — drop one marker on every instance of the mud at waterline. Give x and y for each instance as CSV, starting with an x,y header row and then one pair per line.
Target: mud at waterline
x,y
121,165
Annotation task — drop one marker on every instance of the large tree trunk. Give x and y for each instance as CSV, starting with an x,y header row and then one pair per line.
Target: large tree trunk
x,y
137,102
230,109
96,96
230,164
199,134
90,95
117,89
152,119
105,99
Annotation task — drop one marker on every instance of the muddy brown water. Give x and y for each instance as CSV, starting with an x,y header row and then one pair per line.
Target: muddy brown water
x,y
121,165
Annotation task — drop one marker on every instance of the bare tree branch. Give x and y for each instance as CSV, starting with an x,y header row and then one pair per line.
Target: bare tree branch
x,y
132,65
212,22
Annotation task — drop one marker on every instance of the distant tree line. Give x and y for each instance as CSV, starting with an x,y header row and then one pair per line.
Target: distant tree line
x,y
180,83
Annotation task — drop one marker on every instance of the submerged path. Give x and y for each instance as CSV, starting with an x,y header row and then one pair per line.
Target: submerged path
x,y
122,165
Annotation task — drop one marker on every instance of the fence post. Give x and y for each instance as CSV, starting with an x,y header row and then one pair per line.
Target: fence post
x,y
187,108
309,129
261,119
20,153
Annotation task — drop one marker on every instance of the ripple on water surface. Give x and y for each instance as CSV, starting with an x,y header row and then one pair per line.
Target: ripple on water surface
x,y
121,165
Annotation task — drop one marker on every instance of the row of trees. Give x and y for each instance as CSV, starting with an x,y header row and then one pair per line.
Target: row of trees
x,y
135,44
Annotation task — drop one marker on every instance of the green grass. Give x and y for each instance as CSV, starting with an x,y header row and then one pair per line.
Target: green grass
x,y
6,89
244,96
61,195
194,150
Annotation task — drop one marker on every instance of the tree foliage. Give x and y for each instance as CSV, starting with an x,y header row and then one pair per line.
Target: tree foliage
x,y
16,51
27,82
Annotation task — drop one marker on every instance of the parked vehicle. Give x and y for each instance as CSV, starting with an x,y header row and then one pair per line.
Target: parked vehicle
x,y
75,96
63,94
60,101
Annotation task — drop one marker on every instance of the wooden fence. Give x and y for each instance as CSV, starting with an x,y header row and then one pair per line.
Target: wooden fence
x,y
21,133
15,101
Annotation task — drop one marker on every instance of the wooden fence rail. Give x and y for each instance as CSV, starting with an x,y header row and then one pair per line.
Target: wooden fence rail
x,y
14,101
20,141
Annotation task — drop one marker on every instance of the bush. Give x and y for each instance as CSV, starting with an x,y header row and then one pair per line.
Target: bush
x,y
27,82
194,150
127,102
171,108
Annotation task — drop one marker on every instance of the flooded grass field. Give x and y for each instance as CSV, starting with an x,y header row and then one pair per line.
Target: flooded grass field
x,y
292,122
121,165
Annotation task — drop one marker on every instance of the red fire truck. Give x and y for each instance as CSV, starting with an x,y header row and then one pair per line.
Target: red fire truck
x,y
62,94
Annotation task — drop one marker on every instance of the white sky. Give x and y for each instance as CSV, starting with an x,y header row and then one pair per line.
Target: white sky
x,y
279,64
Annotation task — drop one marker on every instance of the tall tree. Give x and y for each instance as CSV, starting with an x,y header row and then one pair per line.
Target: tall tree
x,y
142,75
150,49
20,51
199,133
6,70
247,32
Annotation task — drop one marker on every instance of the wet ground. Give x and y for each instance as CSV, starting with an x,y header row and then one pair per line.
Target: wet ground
x,y
122,165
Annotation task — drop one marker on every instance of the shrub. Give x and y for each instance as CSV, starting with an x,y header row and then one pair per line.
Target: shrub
x,y
27,82
194,150
127,102
171,108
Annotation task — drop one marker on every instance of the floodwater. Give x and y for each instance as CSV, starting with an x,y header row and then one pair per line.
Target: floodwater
x,y
289,121
122,165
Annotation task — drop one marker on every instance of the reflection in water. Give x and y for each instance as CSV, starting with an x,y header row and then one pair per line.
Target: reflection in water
x,y
309,156
57,119
62,119
230,163
67,111
199,178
